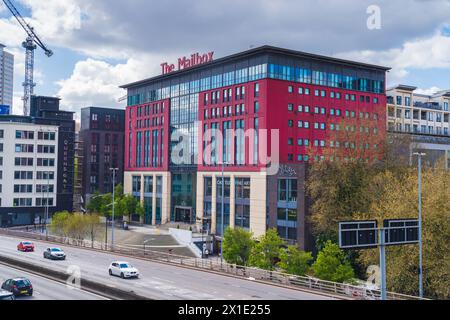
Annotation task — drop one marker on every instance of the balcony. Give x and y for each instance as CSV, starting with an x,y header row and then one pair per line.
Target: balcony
x,y
429,105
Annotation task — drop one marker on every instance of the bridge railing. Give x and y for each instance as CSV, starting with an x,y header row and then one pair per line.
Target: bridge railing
x,y
216,265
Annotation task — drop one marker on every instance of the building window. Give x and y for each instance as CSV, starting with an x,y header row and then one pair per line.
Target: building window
x,y
256,107
242,206
287,190
256,90
136,184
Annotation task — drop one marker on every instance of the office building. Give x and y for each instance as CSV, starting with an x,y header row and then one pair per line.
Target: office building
x,y
6,81
102,133
28,170
425,119
173,155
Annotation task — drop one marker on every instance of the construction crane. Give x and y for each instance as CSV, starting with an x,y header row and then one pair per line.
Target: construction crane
x,y
30,44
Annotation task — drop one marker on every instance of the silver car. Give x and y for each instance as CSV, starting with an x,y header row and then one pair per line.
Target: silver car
x,y
54,254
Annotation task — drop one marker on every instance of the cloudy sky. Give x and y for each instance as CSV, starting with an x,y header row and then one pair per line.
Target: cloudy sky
x,y
101,44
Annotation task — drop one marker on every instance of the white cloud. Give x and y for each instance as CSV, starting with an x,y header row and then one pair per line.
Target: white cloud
x,y
429,91
143,32
96,83
425,53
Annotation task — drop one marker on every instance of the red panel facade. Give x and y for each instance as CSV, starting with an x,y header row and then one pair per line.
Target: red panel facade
x,y
147,118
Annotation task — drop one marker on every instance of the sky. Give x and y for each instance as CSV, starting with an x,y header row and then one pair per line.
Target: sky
x,y
102,44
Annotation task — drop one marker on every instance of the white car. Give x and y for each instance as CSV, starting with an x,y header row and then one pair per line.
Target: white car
x,y
123,269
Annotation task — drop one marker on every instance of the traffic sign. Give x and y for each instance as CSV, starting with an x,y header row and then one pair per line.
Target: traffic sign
x,y
358,234
401,231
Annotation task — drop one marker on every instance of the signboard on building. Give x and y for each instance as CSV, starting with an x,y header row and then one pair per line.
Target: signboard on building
x,y
187,62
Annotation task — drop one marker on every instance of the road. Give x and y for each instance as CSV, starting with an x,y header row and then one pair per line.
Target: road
x,y
45,289
158,281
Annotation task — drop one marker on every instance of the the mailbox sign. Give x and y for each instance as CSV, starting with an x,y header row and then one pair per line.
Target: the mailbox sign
x,y
187,62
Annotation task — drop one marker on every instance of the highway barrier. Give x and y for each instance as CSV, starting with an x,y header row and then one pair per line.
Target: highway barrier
x,y
214,265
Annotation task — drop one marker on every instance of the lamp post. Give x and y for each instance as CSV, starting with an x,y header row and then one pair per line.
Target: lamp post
x,y
223,209
113,201
419,157
46,205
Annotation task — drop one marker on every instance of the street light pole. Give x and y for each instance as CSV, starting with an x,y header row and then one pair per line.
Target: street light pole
x,y
46,207
223,207
113,201
419,157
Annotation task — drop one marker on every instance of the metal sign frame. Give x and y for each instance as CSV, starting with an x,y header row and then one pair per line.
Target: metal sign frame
x,y
358,230
409,228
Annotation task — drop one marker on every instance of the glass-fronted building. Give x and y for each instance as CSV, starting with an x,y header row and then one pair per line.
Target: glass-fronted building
x,y
182,126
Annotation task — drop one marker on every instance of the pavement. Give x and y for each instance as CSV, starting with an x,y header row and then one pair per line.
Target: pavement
x,y
157,281
45,289
155,239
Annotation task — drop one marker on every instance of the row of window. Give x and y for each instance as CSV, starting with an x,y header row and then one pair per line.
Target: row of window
x,y
28,175
148,184
332,112
239,94
148,110
28,188
333,95
28,202
306,158
227,111
419,115
29,148
242,202
29,135
407,103
416,129
29,162
208,81
148,123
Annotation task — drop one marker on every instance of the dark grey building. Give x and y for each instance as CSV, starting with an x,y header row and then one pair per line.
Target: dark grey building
x,y
45,110
102,133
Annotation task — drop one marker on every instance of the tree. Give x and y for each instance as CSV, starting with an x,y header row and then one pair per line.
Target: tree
x,y
265,253
332,265
106,205
397,197
337,190
59,223
128,205
294,261
93,223
237,245
95,203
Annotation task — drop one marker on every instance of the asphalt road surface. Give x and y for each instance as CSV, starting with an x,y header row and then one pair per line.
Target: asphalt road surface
x,y
157,281
45,289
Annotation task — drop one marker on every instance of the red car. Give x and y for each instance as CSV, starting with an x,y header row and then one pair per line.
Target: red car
x,y
25,246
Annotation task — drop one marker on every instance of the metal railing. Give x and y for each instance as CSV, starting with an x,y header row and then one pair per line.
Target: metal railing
x,y
211,265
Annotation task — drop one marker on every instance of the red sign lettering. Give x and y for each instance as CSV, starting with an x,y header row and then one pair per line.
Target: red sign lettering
x,y
187,62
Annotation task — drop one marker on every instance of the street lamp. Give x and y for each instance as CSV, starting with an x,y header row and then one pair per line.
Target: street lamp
x,y
113,200
419,157
46,205
223,208
106,221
